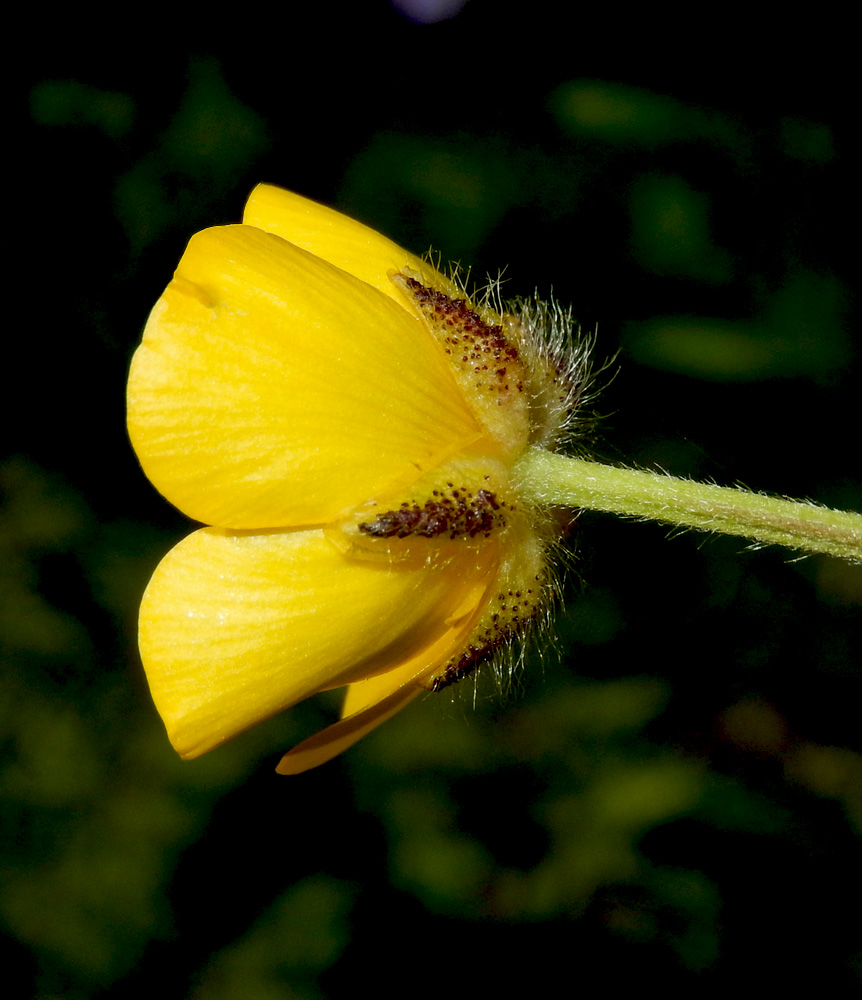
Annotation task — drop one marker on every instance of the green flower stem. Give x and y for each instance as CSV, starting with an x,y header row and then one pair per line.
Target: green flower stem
x,y
560,481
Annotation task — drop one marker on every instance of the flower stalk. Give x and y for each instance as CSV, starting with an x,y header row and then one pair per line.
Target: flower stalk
x,y
551,479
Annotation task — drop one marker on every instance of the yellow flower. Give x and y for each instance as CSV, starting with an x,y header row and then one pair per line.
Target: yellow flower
x,y
348,422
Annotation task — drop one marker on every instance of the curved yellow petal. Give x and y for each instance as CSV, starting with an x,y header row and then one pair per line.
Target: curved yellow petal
x,y
238,626
370,702
274,390
362,695
335,739
350,245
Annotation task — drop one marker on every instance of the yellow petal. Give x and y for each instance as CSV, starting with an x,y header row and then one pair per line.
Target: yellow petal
x,y
333,740
273,389
370,702
238,626
350,245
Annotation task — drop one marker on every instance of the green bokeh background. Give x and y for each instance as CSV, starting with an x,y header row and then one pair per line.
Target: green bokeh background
x,y
672,792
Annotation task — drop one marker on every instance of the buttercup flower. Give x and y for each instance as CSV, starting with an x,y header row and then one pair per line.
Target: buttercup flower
x,y
348,423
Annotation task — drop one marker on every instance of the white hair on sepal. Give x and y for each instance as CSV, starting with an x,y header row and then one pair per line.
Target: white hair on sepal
x,y
560,359
503,662
558,356
504,667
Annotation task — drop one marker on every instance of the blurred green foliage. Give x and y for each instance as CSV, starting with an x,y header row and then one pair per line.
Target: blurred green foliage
x,y
672,786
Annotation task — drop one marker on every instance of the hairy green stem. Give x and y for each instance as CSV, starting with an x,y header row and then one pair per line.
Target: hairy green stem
x,y
557,480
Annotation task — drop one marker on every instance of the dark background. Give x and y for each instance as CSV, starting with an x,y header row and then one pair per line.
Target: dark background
x,y
674,796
